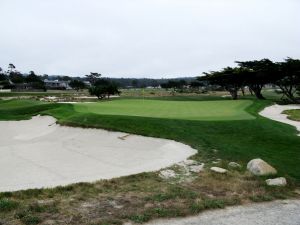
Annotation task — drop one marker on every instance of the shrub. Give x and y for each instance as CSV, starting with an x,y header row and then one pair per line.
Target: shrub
x,y
8,205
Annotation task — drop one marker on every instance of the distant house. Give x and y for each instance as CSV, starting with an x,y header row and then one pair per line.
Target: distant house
x,y
87,83
57,84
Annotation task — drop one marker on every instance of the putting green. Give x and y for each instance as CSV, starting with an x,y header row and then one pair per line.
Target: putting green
x,y
187,110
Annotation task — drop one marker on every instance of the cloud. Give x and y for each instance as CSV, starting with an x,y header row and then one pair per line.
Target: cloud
x,y
145,38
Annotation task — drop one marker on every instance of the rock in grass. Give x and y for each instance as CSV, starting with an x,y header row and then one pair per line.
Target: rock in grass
x,y
187,162
217,161
259,167
234,165
297,191
280,181
196,168
218,170
167,174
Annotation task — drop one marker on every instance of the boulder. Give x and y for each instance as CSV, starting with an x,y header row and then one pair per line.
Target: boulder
x,y
234,165
218,170
259,167
280,181
167,174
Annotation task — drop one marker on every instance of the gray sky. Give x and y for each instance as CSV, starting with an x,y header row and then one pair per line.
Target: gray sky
x,y
145,38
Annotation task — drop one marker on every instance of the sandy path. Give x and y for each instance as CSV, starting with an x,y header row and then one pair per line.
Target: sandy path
x,y
39,153
285,212
274,112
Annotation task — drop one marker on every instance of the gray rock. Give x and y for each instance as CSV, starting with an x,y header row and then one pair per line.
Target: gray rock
x,y
218,170
187,162
280,181
259,167
196,168
217,161
115,204
167,174
234,165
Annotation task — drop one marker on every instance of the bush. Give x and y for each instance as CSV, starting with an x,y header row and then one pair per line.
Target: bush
x,y
8,205
101,91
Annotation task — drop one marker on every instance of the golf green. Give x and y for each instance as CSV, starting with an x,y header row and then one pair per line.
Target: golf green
x,y
185,110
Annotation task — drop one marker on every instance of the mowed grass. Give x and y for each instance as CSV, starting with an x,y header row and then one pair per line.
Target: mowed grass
x,y
184,110
21,109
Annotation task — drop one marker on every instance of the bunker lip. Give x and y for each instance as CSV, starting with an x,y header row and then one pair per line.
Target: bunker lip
x,y
39,153
274,112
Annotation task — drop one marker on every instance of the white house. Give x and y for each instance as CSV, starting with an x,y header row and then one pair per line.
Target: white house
x,y
57,84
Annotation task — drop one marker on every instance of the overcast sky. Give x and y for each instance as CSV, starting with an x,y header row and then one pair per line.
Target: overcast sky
x,y
145,38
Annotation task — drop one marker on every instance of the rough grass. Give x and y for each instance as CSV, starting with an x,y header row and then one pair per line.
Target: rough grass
x,y
293,114
138,198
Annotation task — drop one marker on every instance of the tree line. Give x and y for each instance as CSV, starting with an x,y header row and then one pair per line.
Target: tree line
x,y
255,74
11,78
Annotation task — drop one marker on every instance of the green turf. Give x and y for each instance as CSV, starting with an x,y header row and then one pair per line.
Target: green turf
x,y
21,109
185,110
238,140
293,114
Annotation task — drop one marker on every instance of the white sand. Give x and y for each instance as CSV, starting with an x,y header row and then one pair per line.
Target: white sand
x,y
39,153
274,112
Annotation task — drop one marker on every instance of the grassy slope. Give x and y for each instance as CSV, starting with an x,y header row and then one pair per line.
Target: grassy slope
x,y
239,140
24,109
293,114
186,110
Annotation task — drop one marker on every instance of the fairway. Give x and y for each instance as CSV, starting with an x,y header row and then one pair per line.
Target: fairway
x,y
184,110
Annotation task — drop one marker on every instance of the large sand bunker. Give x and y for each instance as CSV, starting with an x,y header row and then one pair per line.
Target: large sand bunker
x,y
39,153
274,112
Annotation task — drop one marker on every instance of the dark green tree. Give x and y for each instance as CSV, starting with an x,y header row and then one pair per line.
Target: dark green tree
x,y
32,77
134,83
260,73
77,85
98,91
289,81
93,77
16,77
34,81
102,90
11,67
231,79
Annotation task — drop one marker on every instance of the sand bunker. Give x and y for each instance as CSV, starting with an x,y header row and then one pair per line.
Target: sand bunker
x,y
274,112
39,153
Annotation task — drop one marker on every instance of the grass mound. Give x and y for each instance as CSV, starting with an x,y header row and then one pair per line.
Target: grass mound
x,y
293,114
